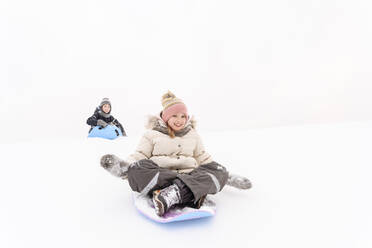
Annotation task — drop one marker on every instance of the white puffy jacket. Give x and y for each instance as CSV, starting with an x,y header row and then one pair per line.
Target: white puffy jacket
x,y
182,153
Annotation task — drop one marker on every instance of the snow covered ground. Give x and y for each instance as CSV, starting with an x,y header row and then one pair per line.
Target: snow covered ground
x,y
241,65
311,188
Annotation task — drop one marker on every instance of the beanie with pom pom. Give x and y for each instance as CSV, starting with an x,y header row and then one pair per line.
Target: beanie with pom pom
x,y
171,106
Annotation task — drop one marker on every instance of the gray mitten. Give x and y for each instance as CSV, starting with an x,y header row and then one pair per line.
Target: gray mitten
x,y
238,182
115,165
101,123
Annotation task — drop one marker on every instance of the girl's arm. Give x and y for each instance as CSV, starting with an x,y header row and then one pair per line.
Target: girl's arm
x,y
143,150
201,156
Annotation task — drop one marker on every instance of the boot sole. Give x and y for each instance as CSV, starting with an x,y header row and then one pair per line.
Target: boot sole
x,y
159,207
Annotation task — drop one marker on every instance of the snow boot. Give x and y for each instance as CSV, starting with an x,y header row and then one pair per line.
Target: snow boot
x,y
166,198
187,197
196,204
115,165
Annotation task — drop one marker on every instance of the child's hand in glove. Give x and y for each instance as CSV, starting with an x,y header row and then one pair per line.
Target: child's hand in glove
x,y
238,182
101,123
115,165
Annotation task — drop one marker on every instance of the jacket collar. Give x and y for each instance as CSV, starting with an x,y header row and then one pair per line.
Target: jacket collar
x,y
155,122
103,114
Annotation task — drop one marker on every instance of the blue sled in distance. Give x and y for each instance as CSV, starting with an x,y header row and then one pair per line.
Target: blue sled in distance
x,y
109,132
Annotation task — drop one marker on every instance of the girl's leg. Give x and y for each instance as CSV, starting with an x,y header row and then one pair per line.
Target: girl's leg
x,y
145,176
148,178
206,179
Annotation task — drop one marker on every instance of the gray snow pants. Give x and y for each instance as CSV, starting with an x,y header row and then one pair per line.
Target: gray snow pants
x,y
146,176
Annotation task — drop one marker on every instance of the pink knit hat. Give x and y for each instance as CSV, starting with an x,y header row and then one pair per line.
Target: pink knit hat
x,y
171,106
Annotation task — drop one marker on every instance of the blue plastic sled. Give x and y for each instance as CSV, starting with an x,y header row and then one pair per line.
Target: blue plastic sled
x,y
109,132
145,206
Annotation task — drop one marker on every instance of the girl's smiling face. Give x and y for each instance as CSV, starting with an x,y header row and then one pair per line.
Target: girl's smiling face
x,y
177,122
106,108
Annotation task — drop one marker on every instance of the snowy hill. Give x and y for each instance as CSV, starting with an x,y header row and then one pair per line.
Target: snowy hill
x,y
263,78
311,188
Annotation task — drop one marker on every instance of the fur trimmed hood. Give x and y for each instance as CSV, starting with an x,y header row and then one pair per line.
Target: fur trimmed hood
x,y
101,113
181,153
155,122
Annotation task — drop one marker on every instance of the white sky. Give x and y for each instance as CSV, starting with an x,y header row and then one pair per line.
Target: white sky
x,y
236,64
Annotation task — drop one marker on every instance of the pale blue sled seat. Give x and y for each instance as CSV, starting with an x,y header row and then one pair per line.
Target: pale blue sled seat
x,y
144,206
109,132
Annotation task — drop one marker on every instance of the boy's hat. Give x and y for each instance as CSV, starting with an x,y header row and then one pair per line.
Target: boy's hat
x,y
105,101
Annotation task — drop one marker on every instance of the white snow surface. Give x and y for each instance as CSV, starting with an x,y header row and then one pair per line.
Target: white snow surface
x,y
311,188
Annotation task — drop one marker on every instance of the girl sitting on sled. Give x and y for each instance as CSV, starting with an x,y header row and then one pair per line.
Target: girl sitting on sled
x,y
170,163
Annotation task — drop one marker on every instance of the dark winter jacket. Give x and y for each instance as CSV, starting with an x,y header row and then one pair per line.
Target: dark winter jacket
x,y
109,119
